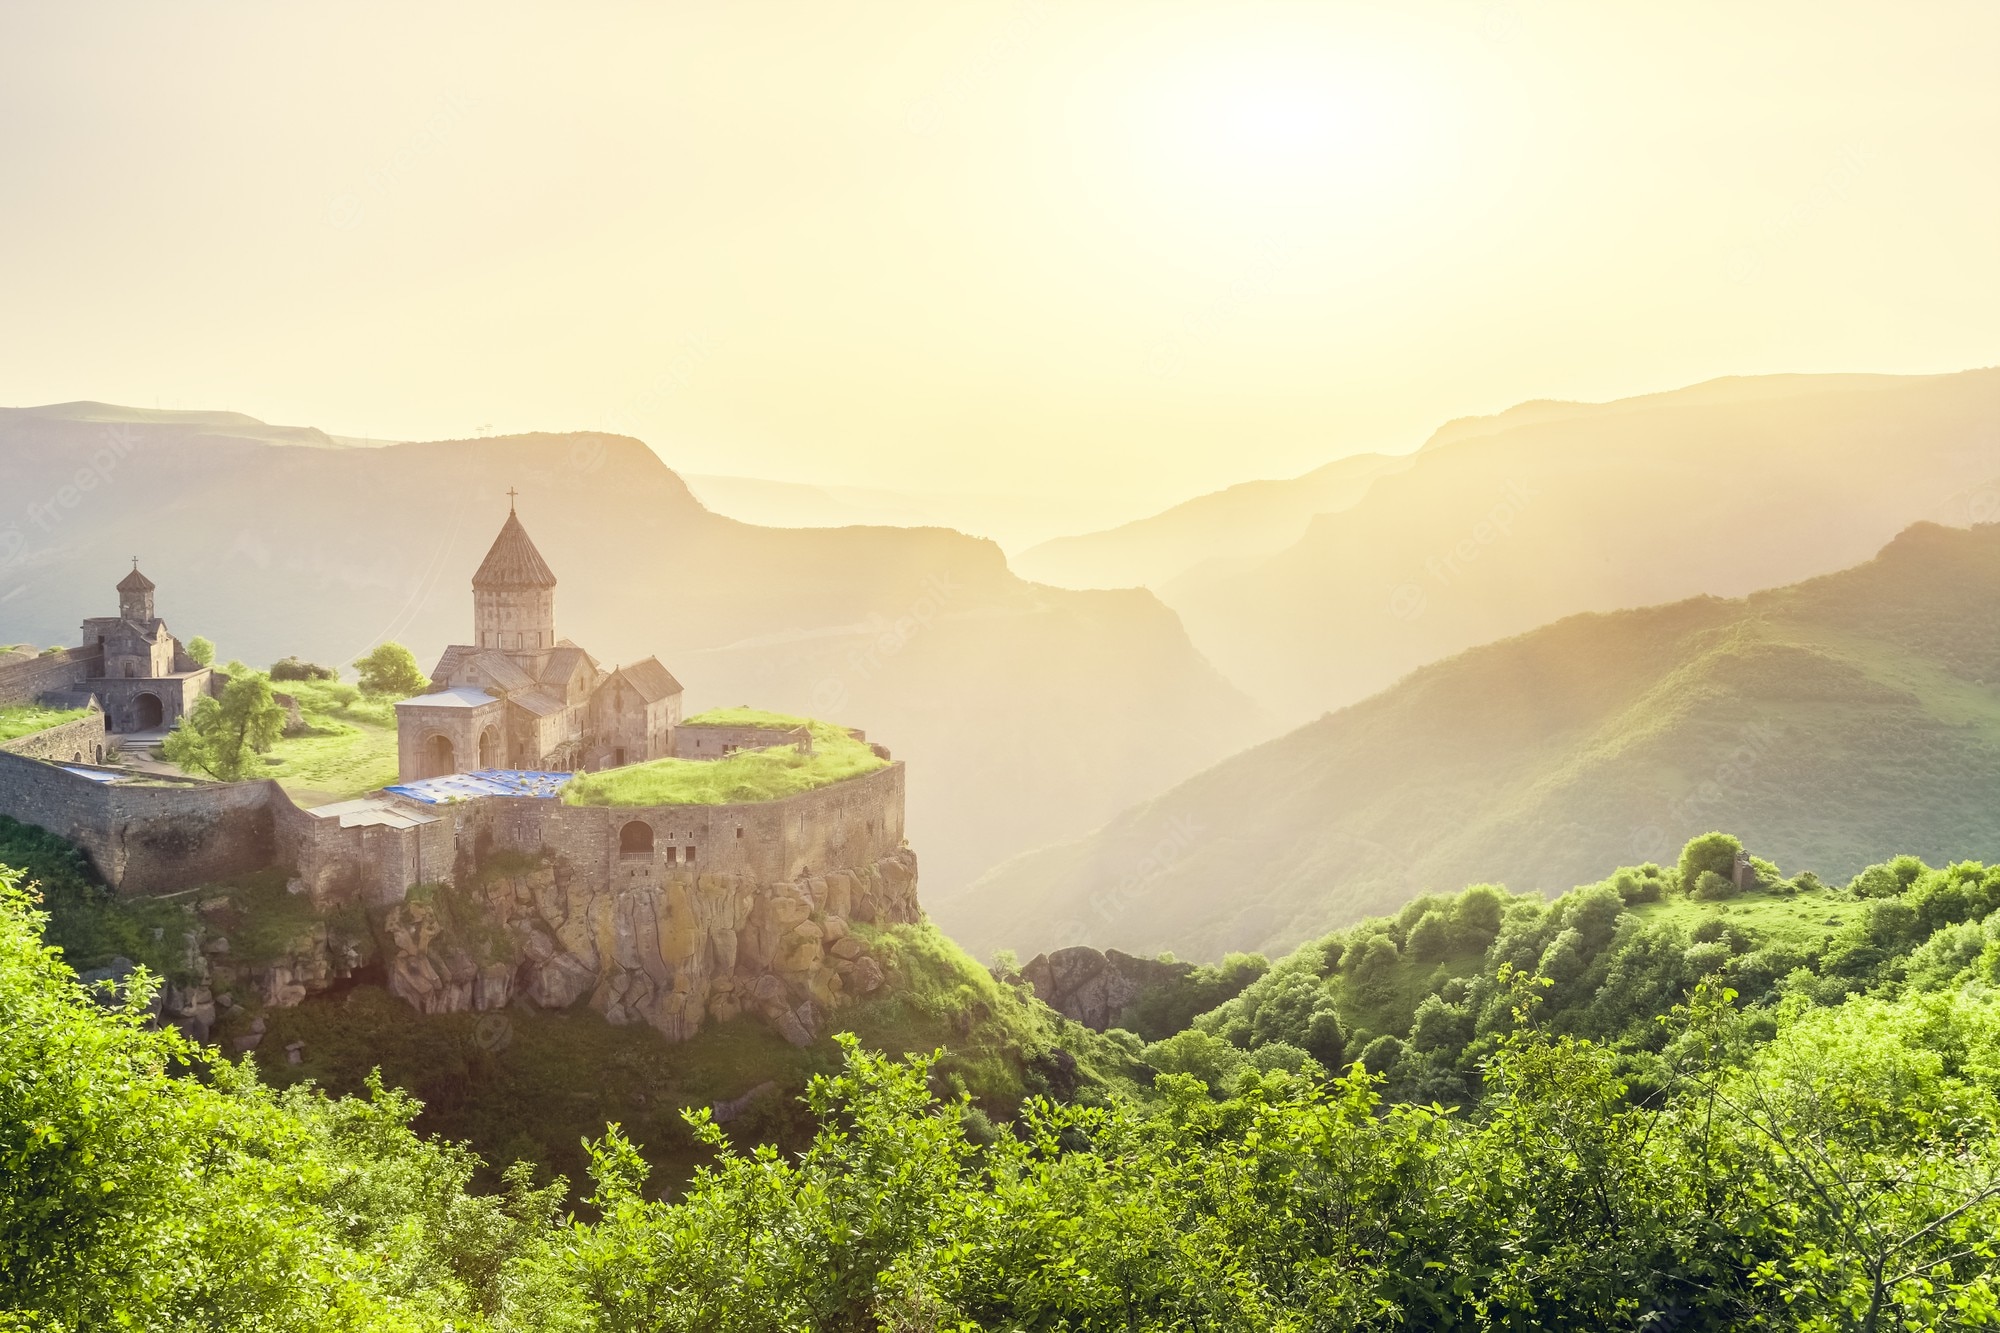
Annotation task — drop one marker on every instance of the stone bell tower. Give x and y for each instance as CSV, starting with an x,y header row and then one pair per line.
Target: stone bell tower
x,y
135,597
514,594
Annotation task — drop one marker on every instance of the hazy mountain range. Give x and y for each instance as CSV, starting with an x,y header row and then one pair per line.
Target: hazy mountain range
x,y
1027,713
1209,536
1502,523
1828,724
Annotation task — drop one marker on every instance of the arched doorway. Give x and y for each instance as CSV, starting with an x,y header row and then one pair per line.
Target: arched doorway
x,y
636,839
148,712
490,754
439,758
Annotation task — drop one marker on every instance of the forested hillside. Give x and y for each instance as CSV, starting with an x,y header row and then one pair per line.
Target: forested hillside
x,y
1825,721
1677,1098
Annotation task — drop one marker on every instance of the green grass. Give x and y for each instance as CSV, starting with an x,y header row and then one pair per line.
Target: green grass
x,y
18,720
88,923
350,749
747,775
263,921
1799,919
746,717
335,761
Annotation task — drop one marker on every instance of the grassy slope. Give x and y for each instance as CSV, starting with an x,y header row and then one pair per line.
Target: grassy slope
x,y
747,775
509,1082
17,720
1828,723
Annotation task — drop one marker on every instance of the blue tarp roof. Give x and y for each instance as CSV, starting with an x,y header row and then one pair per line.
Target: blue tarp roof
x,y
486,782
94,774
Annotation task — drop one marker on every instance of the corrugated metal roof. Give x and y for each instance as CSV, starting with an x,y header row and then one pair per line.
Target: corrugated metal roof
x,y
462,696
372,810
485,782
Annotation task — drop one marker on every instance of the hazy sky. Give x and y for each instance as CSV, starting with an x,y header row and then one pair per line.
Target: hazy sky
x,y
1138,250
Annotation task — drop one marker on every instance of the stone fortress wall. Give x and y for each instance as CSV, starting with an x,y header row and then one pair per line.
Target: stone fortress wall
x,y
25,680
79,742
148,839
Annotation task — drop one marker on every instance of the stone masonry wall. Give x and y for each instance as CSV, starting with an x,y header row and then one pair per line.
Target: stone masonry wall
x,y
25,682
147,839
81,740
704,740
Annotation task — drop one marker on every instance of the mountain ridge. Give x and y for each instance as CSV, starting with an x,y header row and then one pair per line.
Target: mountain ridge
x,y
1859,707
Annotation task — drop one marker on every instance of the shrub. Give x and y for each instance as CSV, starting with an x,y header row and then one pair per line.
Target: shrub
x,y
1710,854
1710,887
292,668
1889,879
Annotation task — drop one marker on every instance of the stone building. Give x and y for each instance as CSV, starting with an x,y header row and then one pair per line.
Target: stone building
x,y
143,678
519,697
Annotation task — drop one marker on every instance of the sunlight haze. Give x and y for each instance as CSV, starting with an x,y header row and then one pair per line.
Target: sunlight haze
x,y
1124,253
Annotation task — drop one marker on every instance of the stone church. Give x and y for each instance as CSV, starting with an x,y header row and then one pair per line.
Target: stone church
x,y
144,679
518,697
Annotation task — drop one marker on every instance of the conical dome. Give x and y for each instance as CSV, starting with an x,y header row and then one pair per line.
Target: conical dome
x,y
137,582
513,562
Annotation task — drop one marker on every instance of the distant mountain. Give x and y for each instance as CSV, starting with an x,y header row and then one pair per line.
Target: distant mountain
x,y
1014,521
1503,523
1027,713
1827,723
1213,533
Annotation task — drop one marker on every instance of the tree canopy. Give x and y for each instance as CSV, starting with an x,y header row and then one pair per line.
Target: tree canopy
x,y
391,670
223,736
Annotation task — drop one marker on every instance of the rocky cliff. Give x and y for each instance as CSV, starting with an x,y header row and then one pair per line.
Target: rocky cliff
x,y
1092,987
525,930
674,955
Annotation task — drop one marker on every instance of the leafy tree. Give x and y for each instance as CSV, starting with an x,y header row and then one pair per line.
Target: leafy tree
x,y
222,737
1710,854
1430,938
1475,916
202,650
391,670
1199,1055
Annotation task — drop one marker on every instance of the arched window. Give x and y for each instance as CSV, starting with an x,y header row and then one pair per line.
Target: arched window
x,y
491,754
636,839
441,759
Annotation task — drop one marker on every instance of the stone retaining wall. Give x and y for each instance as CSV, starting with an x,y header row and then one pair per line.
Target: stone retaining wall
x,y
147,839
77,741
51,673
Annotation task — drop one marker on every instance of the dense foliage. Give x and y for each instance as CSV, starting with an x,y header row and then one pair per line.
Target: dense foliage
x,y
1634,1107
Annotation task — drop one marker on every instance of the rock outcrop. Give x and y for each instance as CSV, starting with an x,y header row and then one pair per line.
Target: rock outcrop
x,y
673,954
1093,988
